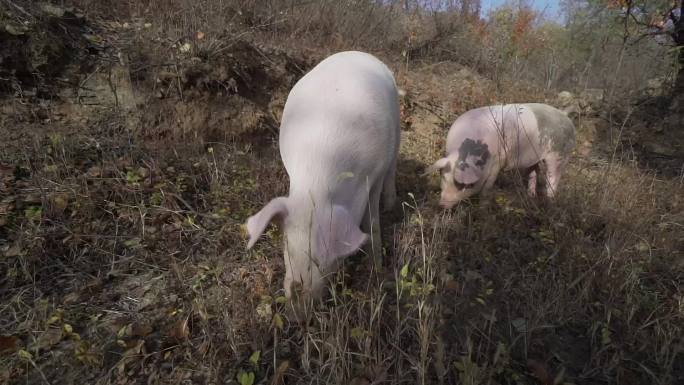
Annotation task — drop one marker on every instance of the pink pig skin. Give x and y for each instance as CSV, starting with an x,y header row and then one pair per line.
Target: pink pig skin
x,y
486,140
339,140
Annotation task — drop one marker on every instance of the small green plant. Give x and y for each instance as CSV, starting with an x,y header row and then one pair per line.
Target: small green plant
x,y
132,177
413,283
246,378
33,213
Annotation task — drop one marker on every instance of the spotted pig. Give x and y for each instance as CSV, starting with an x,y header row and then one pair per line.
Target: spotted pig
x,y
484,141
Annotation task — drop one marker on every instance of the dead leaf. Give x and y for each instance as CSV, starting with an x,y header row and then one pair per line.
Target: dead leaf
x,y
59,201
137,348
13,251
203,348
49,338
116,324
540,371
180,329
359,381
279,375
6,170
71,298
8,345
95,172
6,206
139,329
200,35
451,284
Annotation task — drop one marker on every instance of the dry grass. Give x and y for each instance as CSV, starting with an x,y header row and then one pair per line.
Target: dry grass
x,y
122,260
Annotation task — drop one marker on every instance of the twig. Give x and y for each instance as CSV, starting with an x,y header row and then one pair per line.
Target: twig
x,y
39,371
22,10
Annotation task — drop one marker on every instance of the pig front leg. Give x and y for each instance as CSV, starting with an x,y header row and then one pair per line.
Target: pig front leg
x,y
487,187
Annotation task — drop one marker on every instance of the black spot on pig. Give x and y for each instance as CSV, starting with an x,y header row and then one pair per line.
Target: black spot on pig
x,y
477,149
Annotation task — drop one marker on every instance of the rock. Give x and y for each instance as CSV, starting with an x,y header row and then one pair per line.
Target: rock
x,y
592,96
566,102
565,97
52,10
14,30
111,89
656,86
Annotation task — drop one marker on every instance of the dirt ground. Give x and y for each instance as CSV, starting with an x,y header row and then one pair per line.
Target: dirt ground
x,y
127,168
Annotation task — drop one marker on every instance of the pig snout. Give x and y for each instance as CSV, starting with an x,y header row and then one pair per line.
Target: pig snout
x,y
447,204
450,196
304,289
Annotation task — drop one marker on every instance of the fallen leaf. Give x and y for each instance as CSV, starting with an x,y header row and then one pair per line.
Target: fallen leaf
x,y
13,251
264,312
85,353
94,172
139,329
359,381
203,348
200,35
12,30
451,284
137,347
345,175
59,201
254,358
540,371
186,47
25,354
49,338
52,10
278,321
8,344
71,298
279,375
246,378
520,325
180,329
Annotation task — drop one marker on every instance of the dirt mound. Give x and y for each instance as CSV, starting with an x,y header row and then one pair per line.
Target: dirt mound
x,y
219,96
84,70
40,44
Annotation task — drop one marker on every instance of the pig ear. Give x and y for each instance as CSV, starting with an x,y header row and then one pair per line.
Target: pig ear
x,y
469,175
256,224
437,166
338,236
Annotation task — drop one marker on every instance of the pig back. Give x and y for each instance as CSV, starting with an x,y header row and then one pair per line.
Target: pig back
x,y
509,131
556,130
342,118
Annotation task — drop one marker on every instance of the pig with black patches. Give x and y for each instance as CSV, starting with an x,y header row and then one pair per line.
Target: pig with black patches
x,y
484,141
339,141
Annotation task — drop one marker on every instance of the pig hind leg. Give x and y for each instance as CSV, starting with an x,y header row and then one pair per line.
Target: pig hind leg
x,y
371,224
532,173
389,189
555,164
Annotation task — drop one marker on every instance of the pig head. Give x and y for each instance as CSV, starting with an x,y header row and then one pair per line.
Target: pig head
x,y
315,241
462,172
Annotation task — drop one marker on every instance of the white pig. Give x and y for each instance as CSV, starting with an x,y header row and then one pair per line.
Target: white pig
x,y
339,140
486,140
